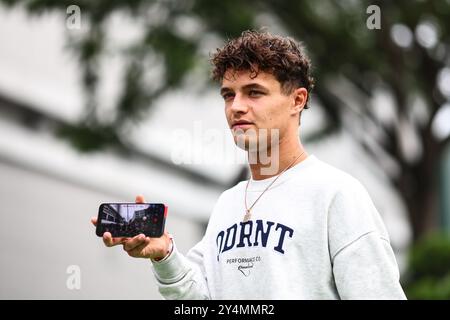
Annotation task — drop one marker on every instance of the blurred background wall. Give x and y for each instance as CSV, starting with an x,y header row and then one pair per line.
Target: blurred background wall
x,y
101,101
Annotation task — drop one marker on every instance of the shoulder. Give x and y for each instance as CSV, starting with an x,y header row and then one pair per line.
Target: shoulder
x,y
351,211
335,175
230,196
348,194
231,192
328,180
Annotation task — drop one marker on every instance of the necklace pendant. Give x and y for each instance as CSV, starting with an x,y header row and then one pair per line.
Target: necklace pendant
x,y
247,216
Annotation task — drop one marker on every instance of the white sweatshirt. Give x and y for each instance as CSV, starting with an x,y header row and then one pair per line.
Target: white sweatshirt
x,y
315,234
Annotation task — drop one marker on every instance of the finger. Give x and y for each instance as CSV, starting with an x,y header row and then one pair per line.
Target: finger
x,y
134,242
107,239
110,241
94,221
138,252
140,199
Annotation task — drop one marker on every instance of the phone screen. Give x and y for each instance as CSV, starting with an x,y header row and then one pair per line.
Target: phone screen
x,y
131,219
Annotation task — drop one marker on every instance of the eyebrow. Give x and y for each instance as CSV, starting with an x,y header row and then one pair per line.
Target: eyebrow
x,y
224,90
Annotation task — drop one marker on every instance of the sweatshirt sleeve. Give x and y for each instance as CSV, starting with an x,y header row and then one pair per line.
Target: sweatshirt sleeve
x,y
364,265
182,277
366,269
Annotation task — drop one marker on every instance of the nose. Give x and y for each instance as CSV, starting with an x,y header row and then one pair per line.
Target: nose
x,y
238,104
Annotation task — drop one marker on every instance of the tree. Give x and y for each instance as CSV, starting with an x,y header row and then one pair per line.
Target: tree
x,y
348,57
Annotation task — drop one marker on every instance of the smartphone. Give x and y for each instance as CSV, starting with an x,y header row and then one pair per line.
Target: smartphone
x,y
131,219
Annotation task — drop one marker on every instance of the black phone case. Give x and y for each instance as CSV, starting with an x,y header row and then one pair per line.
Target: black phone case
x,y
149,221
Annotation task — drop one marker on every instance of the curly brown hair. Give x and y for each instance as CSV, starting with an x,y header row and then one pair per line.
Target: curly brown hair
x,y
254,50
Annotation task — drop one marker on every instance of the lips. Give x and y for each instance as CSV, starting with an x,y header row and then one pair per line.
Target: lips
x,y
241,124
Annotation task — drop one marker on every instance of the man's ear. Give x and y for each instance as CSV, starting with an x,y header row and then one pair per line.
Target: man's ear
x,y
300,96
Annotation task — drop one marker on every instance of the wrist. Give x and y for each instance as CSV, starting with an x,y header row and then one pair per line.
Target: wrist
x,y
168,252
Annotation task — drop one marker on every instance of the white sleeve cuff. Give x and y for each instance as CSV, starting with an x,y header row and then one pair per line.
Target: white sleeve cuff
x,y
172,268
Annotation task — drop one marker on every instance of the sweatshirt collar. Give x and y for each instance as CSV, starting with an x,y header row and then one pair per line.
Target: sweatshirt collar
x,y
260,185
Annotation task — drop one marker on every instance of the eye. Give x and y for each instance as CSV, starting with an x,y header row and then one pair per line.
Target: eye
x,y
227,96
254,93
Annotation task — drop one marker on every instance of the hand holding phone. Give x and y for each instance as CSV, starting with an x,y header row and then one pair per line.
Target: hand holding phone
x,y
131,219
139,246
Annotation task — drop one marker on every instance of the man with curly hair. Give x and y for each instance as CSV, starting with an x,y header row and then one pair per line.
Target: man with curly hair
x,y
298,228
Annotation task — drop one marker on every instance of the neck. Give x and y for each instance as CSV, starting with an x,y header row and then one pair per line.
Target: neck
x,y
274,161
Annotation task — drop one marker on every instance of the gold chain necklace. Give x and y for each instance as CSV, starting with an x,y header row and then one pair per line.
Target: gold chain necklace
x,y
248,214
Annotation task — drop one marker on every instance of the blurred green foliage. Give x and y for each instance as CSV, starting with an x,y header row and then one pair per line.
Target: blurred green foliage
x,y
428,276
